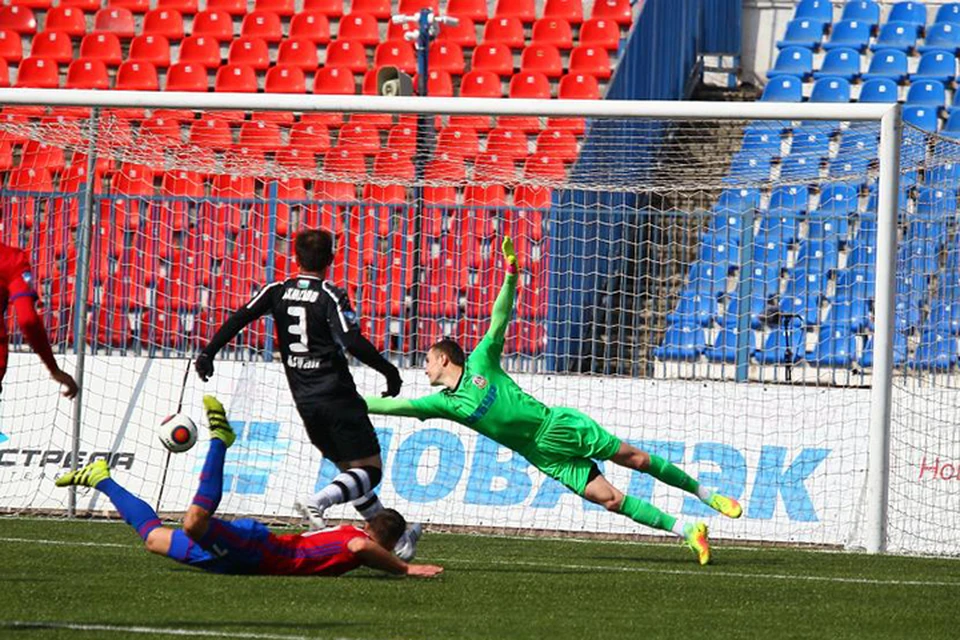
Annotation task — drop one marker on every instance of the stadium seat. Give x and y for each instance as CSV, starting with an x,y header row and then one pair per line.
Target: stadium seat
x,y
790,198
394,165
37,155
310,25
211,132
558,143
821,10
802,33
553,31
578,86
18,19
251,51
309,137
526,84
799,169
134,6
359,139
164,22
185,7
476,10
378,9
913,13
115,20
201,50
334,80
508,143
361,28
52,45
681,343
830,90
949,12
410,7
300,53
11,47
942,37
134,75
462,141
840,63
213,24
898,36
813,142
524,10
864,10
231,7
477,84
187,76
446,56
284,78
592,60
495,58
930,93
878,90
347,54
836,346
235,78
600,32
542,167
398,54
69,20
849,34
258,134
38,73
282,8
505,31
620,11
493,167
329,8
936,65
87,74
793,61
569,10
937,351
439,84
542,58
264,25
783,89
152,49
463,34
781,348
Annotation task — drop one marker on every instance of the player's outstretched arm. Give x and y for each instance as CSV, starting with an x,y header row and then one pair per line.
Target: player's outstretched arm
x,y
397,407
372,555
364,351
33,330
503,305
259,305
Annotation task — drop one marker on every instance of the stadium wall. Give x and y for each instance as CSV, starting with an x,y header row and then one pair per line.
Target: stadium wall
x,y
763,22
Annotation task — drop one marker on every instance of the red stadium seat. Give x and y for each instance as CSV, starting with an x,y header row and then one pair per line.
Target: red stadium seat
x,y
359,27
347,54
496,167
213,24
265,25
159,132
446,167
52,45
310,137
542,58
346,163
439,84
11,46
257,134
529,84
187,76
311,25
399,31
102,46
294,158
460,141
283,8
463,34
359,139
495,58
185,7
402,139
393,164
236,78
4,74
506,31
592,60
553,31
372,120
368,86
152,49
89,6
546,168
329,8
137,76
132,180
38,73
476,10
285,78
334,80
37,155
396,54
228,216
201,50
379,9
569,10
620,11
180,184
525,10
410,7
87,74
232,7
250,51
69,20
115,20
600,32
211,132
477,84
18,19
134,6
299,52
558,143
579,86
164,22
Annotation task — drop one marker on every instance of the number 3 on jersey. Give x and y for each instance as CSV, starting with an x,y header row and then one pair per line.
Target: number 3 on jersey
x,y
299,330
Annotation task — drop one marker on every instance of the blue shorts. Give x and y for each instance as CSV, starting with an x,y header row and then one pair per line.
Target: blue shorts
x,y
227,547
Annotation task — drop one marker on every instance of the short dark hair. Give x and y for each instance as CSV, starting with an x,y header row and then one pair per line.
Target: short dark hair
x,y
387,527
314,248
451,349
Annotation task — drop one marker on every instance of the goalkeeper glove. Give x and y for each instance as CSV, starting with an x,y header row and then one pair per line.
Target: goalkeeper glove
x,y
394,382
509,254
204,366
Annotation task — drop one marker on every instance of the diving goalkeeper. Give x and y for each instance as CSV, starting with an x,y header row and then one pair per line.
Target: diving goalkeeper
x,y
561,442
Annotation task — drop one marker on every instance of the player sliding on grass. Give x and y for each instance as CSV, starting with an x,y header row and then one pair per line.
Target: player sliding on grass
x,y
561,442
246,545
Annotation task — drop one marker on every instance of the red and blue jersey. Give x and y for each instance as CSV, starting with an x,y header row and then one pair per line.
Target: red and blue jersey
x,y
323,553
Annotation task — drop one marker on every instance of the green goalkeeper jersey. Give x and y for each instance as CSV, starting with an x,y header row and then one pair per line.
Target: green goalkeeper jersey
x,y
486,399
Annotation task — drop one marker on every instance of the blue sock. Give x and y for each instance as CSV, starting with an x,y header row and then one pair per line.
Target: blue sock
x,y
211,477
135,512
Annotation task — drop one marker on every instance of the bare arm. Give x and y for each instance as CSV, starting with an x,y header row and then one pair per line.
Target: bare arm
x,y
370,554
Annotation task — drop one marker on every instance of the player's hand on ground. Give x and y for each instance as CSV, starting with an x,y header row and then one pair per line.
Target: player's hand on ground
x,y
394,382
424,570
509,254
67,381
204,366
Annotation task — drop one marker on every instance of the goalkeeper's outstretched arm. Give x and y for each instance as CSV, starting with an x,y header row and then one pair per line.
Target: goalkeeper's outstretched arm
x,y
503,305
421,408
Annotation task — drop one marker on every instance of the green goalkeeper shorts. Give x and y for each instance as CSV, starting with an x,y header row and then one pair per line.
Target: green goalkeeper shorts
x,y
567,446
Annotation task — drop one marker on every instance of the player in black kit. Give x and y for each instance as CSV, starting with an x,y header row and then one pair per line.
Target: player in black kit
x,y
315,325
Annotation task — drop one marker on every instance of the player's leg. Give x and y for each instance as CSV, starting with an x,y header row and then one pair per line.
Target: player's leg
x,y
210,491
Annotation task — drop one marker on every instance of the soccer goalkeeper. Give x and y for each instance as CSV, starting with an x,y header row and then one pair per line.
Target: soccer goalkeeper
x,y
561,442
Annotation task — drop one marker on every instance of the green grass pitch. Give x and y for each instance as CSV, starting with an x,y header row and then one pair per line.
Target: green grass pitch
x,y
84,579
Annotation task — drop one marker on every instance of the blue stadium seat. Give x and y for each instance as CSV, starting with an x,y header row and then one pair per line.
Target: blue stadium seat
x,y
803,295
900,36
726,224
920,256
942,37
849,170
854,313
863,10
909,178
783,89
694,309
821,10
810,141
936,205
802,33
748,168
878,90
681,343
792,198
945,314
936,65
859,278
817,255
719,250
731,315
825,226
913,13
836,346
724,348
761,142
890,64
799,168
866,233
738,200
929,93
780,226
899,350
872,202
913,147
861,261
777,345
952,126
838,199
859,142
830,90
922,117
928,231
840,63
938,351
849,34
793,61
707,278
947,13
948,173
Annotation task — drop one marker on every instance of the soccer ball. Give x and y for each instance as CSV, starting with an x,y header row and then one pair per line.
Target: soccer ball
x,y
178,433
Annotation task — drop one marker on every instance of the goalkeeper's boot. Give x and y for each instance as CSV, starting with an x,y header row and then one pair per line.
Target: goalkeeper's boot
x,y
406,547
695,537
88,476
217,417
311,512
727,506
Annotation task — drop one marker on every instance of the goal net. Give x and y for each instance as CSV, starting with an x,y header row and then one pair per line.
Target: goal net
x,y
702,288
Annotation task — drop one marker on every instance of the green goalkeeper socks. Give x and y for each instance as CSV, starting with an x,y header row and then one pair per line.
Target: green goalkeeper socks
x,y
645,513
667,472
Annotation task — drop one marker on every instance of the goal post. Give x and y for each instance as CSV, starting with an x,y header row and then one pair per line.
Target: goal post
x,y
603,225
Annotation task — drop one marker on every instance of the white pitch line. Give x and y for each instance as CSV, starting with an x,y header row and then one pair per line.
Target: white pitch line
x,y
70,543
162,631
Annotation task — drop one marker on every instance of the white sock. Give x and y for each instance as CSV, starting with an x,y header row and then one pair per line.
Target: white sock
x,y
678,528
368,505
345,487
703,493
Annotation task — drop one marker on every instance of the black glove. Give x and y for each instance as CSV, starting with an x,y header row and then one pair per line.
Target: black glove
x,y
394,382
204,366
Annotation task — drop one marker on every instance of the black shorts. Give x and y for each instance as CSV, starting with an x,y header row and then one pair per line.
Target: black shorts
x,y
340,428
